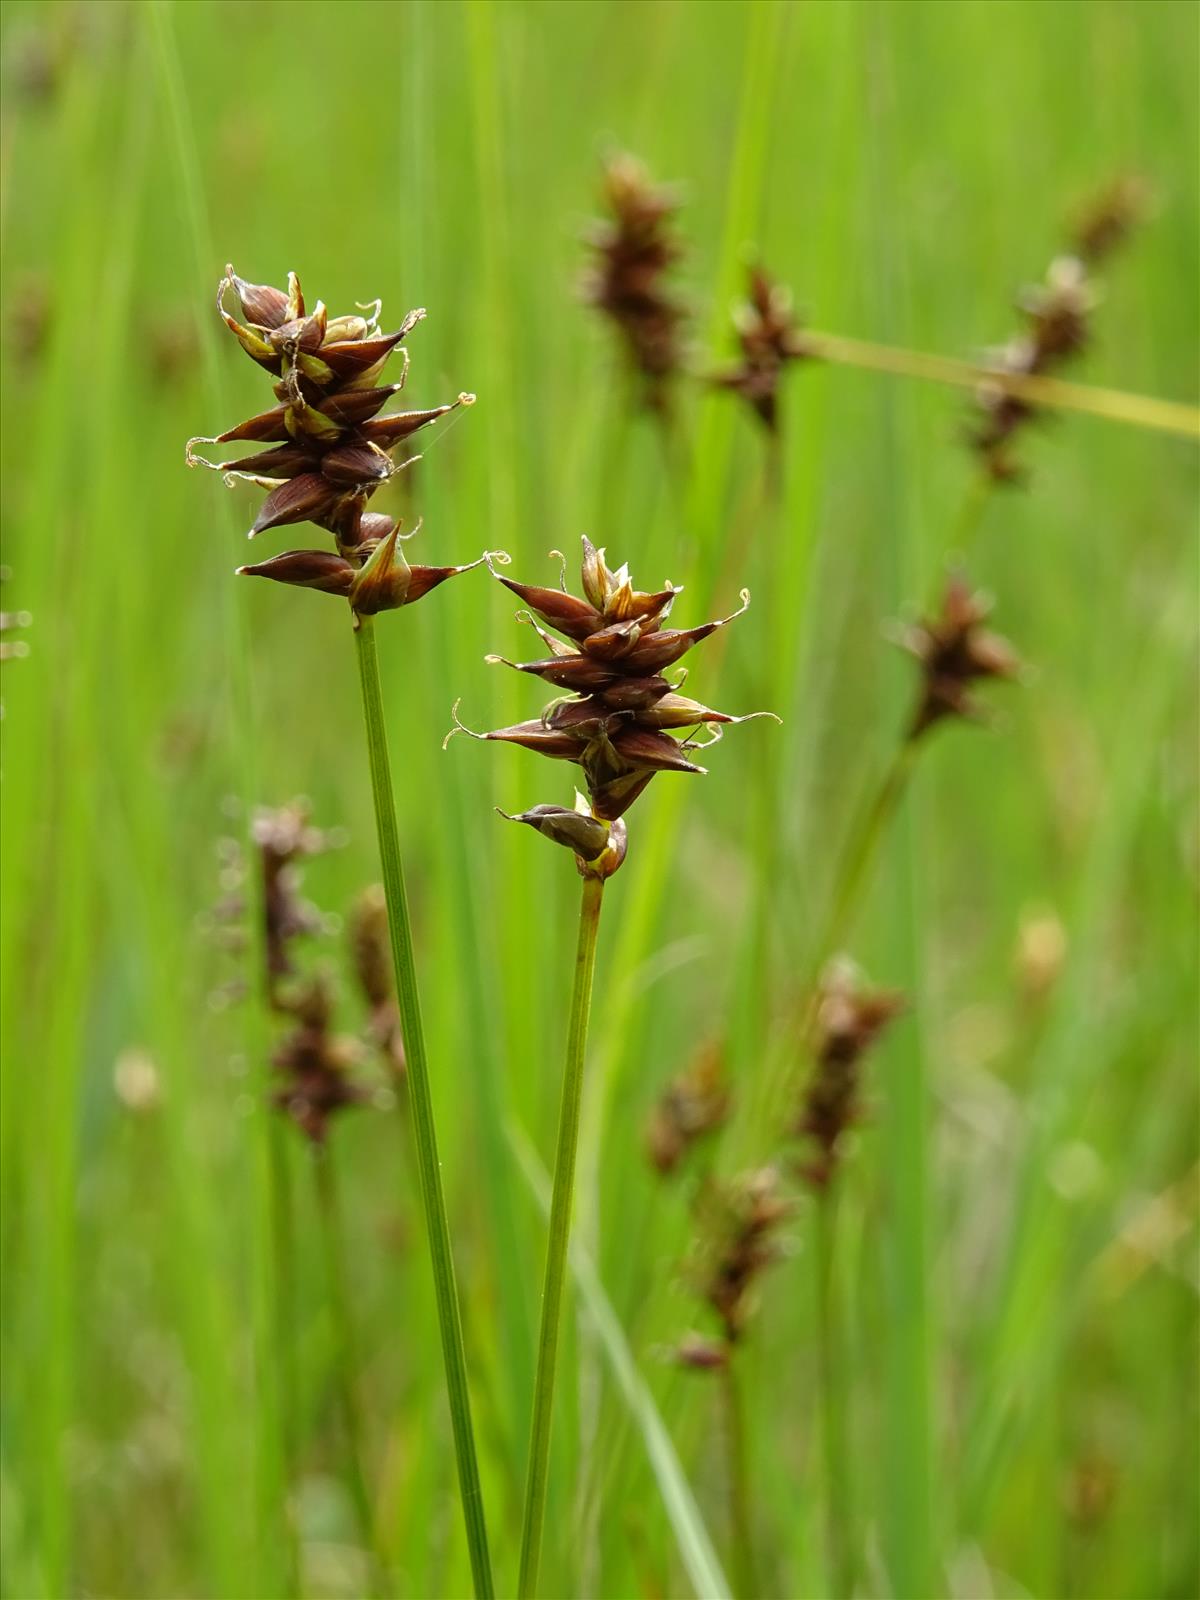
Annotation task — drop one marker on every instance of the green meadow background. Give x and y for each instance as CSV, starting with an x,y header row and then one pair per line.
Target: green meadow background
x,y
1019,1246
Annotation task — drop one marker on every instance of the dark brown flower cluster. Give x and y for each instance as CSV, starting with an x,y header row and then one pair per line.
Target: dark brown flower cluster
x,y
955,651
695,1103
769,337
738,1222
1058,316
849,1019
636,250
619,714
284,837
330,445
316,1064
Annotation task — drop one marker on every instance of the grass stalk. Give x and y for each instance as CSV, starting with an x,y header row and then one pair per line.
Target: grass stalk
x,y
346,1360
1138,410
560,1228
861,851
839,1513
741,1526
421,1102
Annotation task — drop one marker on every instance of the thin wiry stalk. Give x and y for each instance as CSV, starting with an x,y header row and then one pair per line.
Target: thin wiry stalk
x,y
839,1511
739,1485
283,1248
346,1361
421,1102
560,1228
1139,410
861,851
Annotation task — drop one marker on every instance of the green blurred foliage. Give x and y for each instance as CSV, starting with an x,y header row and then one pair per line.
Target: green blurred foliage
x,y
1019,1239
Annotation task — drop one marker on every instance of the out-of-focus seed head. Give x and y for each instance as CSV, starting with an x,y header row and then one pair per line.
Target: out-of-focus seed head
x,y
1058,315
331,449
701,1354
849,1019
284,838
694,1103
955,651
316,1064
737,1238
613,724
636,248
1041,953
769,337
1110,216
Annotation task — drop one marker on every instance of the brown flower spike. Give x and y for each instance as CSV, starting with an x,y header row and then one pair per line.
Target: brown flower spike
x,y
635,252
1058,316
769,337
315,1063
329,442
694,1103
955,651
738,1221
619,713
850,1017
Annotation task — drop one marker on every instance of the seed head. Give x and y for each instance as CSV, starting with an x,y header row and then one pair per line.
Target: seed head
x,y
284,837
737,1224
1110,216
635,251
1058,316
693,1104
954,650
315,1064
769,337
849,1018
617,719
330,443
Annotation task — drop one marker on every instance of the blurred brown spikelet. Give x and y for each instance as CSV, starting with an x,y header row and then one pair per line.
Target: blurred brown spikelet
x,y
330,443
1110,216
636,248
619,712
315,1063
769,337
955,651
849,1019
737,1226
284,837
1058,315
372,952
693,1104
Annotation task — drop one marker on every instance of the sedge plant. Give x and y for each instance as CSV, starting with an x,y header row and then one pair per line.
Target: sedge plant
x,y
331,447
615,722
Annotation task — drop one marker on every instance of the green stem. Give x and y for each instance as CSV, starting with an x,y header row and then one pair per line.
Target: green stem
x,y
345,1359
1140,410
838,1504
861,852
560,1227
284,1251
739,1491
421,1102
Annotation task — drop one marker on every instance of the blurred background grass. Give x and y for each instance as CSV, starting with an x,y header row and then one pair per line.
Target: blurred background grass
x,y
1020,1249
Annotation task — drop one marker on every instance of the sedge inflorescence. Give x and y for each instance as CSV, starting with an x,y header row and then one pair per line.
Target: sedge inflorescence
x,y
629,281
330,442
1058,324
769,337
618,716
